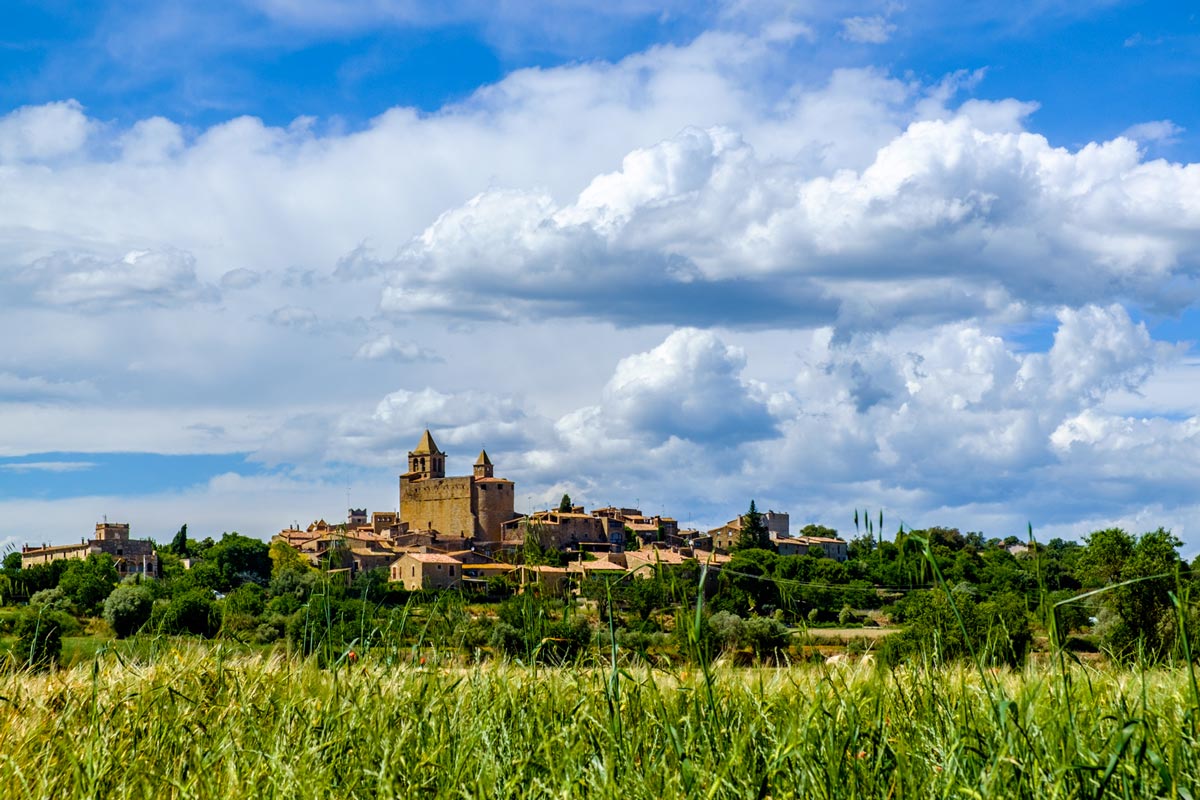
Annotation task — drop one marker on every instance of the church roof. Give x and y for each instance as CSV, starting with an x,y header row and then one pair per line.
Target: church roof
x,y
483,460
426,446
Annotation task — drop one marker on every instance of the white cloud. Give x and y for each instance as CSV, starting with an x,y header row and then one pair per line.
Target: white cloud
x,y
688,387
36,387
867,30
151,141
43,133
240,278
985,220
386,348
140,278
48,466
1159,131
544,227
293,317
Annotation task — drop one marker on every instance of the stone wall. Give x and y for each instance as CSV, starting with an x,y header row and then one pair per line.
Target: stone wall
x,y
440,504
494,502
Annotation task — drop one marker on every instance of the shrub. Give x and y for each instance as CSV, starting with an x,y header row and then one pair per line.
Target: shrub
x,y
39,638
54,599
192,612
728,630
127,609
767,636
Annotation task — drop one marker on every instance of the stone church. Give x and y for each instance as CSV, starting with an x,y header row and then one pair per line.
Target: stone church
x,y
471,506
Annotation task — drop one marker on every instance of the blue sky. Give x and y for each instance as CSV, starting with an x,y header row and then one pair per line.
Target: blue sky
x,y
903,255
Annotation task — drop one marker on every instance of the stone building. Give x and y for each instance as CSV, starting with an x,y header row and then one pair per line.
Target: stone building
x,y
565,530
472,507
132,556
427,571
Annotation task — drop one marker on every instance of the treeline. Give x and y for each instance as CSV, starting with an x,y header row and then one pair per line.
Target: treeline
x,y
954,595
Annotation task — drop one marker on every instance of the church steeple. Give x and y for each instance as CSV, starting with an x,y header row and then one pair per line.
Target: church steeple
x,y
483,466
427,461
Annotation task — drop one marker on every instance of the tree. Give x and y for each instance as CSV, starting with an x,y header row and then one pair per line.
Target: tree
x,y
1147,623
754,533
1103,560
238,559
89,581
179,545
127,609
284,557
564,505
192,612
12,561
39,638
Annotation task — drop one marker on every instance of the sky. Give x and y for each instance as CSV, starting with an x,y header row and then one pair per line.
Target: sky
x,y
934,260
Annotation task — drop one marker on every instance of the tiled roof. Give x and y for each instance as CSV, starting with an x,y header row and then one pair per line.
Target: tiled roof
x,y
433,558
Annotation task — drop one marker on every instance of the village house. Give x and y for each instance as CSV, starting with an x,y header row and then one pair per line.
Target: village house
x,y
724,539
430,571
132,556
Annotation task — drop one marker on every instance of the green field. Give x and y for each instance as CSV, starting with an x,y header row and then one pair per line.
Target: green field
x,y
187,719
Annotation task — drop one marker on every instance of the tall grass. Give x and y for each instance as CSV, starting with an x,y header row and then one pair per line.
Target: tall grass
x,y
196,720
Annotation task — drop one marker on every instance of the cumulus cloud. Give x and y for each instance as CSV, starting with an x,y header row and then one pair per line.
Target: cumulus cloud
x,y
161,278
293,317
43,133
948,219
697,185
383,436
955,419
240,278
689,387
386,348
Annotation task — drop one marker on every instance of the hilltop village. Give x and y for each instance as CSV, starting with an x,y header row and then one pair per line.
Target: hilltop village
x,y
452,532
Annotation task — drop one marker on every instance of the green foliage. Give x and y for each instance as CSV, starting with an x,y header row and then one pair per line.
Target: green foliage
x,y
1147,626
564,505
87,582
753,533
54,599
234,560
191,612
127,609
944,627
1103,560
179,545
285,558
12,561
39,635
767,637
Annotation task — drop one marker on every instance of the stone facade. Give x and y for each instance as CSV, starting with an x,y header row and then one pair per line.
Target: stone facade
x,y
427,571
473,506
132,556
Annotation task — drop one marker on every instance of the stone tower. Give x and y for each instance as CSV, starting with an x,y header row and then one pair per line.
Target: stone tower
x,y
471,506
427,461
483,466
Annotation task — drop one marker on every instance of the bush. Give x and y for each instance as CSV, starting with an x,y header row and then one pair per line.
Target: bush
x,y
54,599
127,609
728,630
192,612
39,638
87,583
767,636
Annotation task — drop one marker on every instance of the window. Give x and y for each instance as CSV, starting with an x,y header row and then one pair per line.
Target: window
x,y
452,570
414,572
